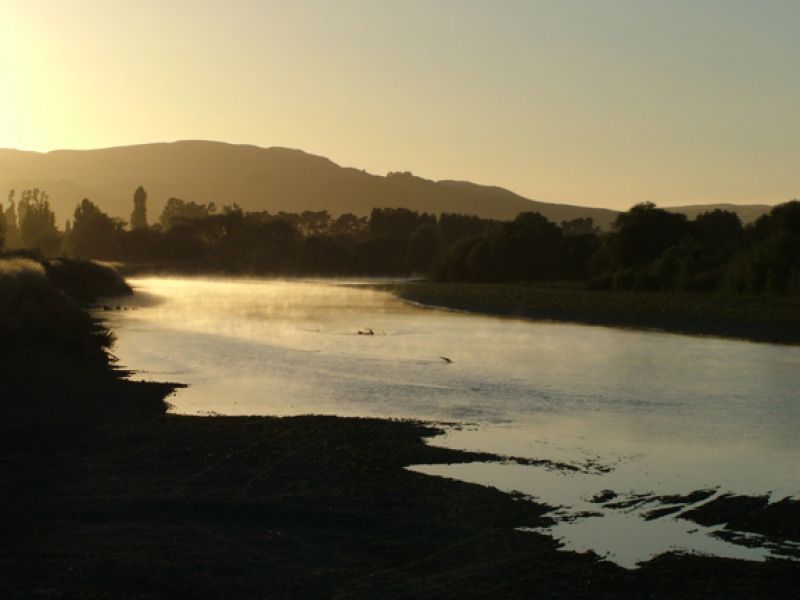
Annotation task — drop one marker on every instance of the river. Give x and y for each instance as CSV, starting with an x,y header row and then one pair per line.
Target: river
x,y
635,412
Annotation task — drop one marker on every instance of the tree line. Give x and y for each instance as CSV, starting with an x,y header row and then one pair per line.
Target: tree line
x,y
647,248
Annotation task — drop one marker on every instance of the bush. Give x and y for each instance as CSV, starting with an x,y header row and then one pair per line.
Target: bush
x,y
36,311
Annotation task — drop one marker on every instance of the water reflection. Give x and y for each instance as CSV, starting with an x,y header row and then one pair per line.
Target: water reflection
x,y
671,414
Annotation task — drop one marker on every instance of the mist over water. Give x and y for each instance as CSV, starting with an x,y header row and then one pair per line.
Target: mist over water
x,y
668,414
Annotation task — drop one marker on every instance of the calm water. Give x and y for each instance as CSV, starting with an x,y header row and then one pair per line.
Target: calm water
x,y
669,414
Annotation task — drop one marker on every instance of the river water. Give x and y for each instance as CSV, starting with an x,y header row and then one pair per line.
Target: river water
x,y
635,412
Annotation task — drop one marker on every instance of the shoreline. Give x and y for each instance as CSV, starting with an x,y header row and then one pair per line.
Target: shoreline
x,y
766,320
106,494
762,319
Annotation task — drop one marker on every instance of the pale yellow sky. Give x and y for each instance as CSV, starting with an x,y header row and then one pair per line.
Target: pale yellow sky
x,y
584,102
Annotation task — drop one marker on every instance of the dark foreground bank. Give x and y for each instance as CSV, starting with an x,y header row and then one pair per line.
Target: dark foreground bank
x,y
756,318
105,495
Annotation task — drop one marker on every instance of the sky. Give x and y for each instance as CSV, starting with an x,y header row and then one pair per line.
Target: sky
x,y
597,103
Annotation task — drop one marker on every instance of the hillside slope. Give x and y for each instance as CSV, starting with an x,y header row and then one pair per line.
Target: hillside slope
x,y
272,179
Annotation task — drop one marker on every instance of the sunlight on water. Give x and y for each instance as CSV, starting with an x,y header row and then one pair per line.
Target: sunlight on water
x,y
670,414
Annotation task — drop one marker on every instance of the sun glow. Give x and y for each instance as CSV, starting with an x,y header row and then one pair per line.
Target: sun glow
x,y
9,137
567,102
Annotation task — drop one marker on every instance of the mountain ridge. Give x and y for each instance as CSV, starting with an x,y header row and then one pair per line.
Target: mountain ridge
x,y
256,178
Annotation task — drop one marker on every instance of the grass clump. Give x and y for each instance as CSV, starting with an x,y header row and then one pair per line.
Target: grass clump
x,y
86,280
41,305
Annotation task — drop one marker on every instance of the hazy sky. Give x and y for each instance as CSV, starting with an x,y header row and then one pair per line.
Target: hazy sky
x,y
601,103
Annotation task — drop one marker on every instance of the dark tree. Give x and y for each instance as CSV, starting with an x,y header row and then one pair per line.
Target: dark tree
x,y
718,230
37,222
644,232
348,224
94,234
771,261
454,228
139,214
579,226
529,248
396,222
314,222
424,248
181,243
180,212
10,223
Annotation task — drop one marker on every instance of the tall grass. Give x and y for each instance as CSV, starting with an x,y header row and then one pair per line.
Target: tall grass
x,y
40,305
86,280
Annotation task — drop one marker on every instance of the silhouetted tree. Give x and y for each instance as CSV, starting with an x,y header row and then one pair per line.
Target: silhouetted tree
x,y
139,214
348,224
314,222
718,231
180,243
578,249
454,266
454,228
424,248
641,234
178,211
10,223
323,255
37,222
382,255
94,234
771,261
396,222
579,226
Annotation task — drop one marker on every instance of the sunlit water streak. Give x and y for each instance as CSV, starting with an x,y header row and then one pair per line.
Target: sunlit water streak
x,y
671,414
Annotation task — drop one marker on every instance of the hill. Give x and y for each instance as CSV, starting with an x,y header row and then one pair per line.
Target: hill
x,y
272,179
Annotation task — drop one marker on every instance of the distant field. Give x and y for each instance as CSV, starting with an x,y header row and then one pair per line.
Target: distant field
x,y
759,318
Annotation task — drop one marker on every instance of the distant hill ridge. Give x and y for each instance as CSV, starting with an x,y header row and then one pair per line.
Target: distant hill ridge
x,y
273,179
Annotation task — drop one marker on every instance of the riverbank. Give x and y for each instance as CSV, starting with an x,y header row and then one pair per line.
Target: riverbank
x,y
756,318
124,500
103,493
